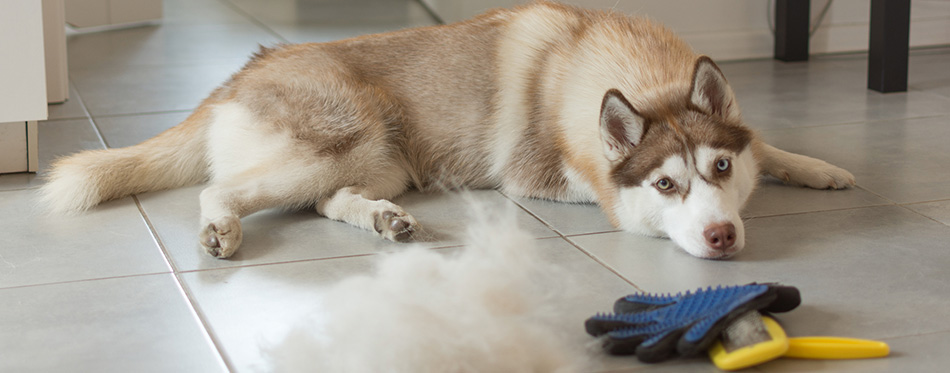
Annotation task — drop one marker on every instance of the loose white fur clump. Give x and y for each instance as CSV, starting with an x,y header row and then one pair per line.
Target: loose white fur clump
x,y
490,308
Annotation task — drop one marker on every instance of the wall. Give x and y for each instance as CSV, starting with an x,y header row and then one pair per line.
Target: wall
x,y
738,29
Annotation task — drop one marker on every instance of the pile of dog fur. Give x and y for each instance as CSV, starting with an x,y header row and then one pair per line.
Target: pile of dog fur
x,y
490,307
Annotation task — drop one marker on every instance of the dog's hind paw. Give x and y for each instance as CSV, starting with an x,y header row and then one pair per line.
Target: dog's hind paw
x,y
395,226
221,237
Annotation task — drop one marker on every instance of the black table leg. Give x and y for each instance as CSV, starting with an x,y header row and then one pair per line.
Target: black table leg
x,y
791,29
889,42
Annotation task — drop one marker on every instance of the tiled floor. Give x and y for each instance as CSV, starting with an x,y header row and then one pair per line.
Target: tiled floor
x,y
125,287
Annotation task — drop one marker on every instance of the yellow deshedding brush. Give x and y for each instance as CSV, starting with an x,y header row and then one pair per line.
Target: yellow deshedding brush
x,y
754,339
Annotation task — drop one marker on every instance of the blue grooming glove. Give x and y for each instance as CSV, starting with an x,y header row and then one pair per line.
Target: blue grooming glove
x,y
659,327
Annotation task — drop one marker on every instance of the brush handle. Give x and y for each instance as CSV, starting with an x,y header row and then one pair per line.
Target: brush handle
x,y
835,348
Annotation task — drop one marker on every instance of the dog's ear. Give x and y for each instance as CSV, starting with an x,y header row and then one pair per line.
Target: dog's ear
x,y
621,127
711,93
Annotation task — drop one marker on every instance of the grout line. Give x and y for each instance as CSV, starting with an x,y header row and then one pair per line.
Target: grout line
x,y
155,238
817,212
826,125
143,113
437,247
85,110
594,233
255,21
924,215
92,120
435,16
933,332
928,201
296,261
196,313
532,214
85,280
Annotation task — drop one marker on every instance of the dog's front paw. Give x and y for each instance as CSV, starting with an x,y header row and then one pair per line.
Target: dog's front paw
x,y
833,177
817,174
221,237
395,226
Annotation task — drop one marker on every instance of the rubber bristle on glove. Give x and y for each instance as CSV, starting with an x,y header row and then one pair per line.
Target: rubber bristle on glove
x,y
658,327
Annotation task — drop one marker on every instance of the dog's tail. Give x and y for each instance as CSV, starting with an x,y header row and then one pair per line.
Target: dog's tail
x,y
174,158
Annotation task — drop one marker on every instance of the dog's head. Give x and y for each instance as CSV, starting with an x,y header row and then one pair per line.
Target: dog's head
x,y
682,171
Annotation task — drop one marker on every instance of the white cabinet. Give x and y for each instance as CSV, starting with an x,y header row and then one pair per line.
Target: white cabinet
x,y
22,83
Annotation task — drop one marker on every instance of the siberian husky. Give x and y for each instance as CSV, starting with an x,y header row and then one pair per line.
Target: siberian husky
x,y
545,101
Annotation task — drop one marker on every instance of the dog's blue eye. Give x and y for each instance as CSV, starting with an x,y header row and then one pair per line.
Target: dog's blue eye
x,y
722,165
664,184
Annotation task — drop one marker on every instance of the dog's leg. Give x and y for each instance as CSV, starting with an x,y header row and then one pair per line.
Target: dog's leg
x,y
797,169
357,207
225,202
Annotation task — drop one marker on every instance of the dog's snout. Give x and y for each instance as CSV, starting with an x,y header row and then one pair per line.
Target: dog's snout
x,y
720,236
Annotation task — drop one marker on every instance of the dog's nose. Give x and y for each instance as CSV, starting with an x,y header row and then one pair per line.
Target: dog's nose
x,y
720,236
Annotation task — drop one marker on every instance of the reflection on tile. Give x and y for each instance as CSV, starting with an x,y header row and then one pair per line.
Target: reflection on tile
x,y
908,354
774,198
128,130
901,160
319,21
927,71
63,137
110,240
70,109
846,264
285,295
200,12
798,101
136,324
275,236
144,89
826,90
166,44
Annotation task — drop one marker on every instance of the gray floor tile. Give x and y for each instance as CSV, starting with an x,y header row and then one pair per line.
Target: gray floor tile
x,y
144,89
861,271
901,160
17,181
800,100
774,198
128,130
136,324
939,210
275,236
111,240
55,139
568,218
285,295
63,137
831,90
166,44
